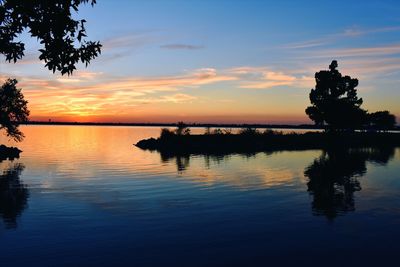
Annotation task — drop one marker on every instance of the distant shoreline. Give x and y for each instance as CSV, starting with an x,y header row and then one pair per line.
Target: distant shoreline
x,y
191,125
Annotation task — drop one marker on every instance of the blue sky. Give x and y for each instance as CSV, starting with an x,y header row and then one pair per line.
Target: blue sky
x,y
218,61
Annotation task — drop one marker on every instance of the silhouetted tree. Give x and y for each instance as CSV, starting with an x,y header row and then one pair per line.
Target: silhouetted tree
x,y
52,24
182,129
334,100
217,131
13,109
333,178
382,120
166,133
207,130
13,195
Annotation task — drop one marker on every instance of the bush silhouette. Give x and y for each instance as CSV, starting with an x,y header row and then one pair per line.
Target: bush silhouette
x,y
382,120
182,129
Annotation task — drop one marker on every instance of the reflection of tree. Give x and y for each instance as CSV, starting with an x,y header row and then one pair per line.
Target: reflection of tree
x,y
13,195
182,161
333,178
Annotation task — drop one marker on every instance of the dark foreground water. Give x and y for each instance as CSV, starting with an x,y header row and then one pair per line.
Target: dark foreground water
x,y
84,196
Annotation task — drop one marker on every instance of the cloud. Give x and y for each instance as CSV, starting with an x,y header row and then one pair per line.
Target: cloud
x,y
182,47
175,98
351,32
122,45
357,31
92,93
129,40
246,70
308,44
271,79
265,78
360,51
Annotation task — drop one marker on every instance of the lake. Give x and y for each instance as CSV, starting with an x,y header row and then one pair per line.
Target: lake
x,y
85,196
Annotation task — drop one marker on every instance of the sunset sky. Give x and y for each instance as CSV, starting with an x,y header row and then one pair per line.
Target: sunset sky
x,y
217,61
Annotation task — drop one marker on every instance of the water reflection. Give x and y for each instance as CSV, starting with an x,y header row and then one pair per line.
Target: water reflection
x,y
13,194
333,178
182,161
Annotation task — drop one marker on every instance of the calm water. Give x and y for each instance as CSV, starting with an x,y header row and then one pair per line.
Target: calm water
x,y
84,196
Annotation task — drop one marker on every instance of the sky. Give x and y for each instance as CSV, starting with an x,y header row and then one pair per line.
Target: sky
x,y
216,61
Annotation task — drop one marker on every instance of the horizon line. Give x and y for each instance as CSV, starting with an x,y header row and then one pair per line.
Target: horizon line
x,y
191,124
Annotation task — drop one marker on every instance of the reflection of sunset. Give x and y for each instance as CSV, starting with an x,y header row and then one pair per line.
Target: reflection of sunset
x,y
112,149
280,144
265,171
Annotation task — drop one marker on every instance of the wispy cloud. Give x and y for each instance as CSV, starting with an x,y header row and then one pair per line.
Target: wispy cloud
x,y
89,93
175,98
182,47
360,51
265,78
351,32
357,31
130,40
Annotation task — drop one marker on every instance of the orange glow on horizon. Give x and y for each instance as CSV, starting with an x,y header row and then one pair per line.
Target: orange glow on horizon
x,y
227,119
233,95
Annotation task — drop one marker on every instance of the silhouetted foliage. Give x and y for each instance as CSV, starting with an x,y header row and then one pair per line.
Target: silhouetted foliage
x,y
382,120
227,131
218,142
8,153
13,109
249,131
52,24
270,132
166,133
182,129
333,178
334,101
217,131
13,195
207,130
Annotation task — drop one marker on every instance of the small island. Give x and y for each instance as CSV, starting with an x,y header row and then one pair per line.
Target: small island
x,y
335,107
250,140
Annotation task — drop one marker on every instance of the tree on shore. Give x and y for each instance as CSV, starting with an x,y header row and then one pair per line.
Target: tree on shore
x,y
182,128
334,101
51,23
63,41
382,120
13,109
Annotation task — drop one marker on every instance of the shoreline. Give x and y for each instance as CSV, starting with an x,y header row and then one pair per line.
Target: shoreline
x,y
189,125
241,143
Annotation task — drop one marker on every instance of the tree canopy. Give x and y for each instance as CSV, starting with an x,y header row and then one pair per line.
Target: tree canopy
x,y
382,120
51,22
334,100
13,109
